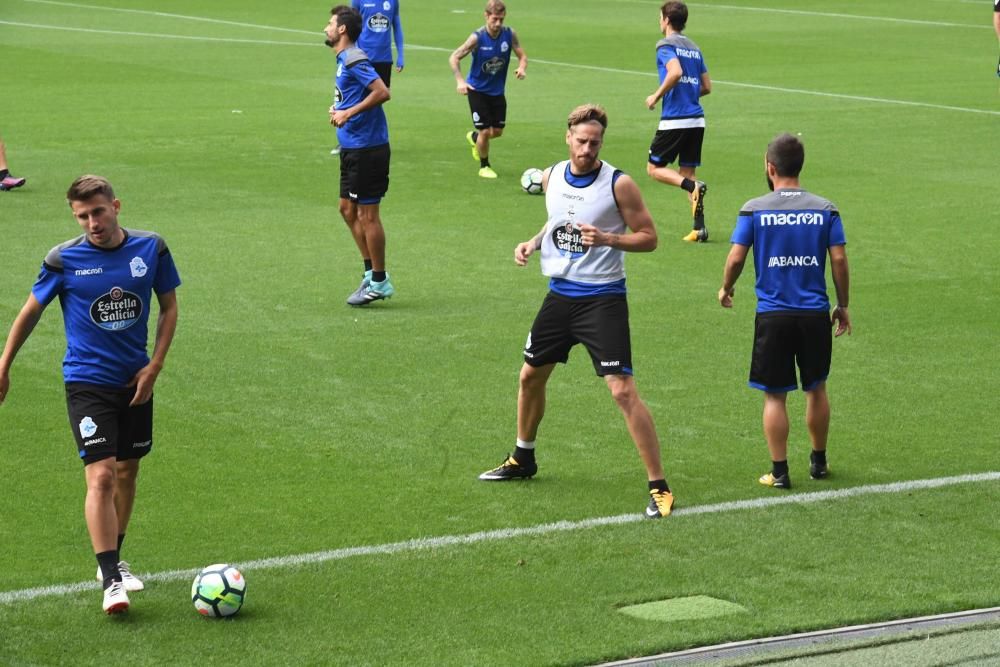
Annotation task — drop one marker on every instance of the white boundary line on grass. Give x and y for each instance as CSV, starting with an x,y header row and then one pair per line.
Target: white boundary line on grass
x,y
504,534
417,47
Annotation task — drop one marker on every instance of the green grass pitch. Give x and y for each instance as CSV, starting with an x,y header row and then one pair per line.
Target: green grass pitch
x,y
288,423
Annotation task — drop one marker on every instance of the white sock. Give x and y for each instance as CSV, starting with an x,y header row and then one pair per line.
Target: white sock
x,y
525,444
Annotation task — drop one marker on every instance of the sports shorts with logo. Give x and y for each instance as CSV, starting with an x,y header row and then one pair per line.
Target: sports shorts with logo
x,y
364,174
683,142
384,71
487,110
599,323
104,425
784,339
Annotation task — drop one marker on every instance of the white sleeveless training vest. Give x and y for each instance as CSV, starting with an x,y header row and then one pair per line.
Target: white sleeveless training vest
x,y
563,254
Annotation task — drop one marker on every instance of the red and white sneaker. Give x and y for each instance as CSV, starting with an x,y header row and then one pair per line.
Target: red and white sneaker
x,y
115,598
131,582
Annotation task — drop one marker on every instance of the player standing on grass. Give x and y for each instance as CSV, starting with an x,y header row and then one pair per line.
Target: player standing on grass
x,y
364,160
104,280
591,206
379,18
791,231
490,47
683,81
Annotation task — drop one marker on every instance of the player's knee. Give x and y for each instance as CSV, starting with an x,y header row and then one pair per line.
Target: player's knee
x,y
530,377
624,393
650,169
101,480
347,208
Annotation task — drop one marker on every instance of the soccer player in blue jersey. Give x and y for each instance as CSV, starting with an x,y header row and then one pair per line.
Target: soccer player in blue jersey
x,y
380,27
791,232
490,46
364,159
7,180
684,81
105,280
595,216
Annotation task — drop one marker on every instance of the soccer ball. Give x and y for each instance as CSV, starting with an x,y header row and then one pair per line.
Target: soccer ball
x,y
531,181
218,590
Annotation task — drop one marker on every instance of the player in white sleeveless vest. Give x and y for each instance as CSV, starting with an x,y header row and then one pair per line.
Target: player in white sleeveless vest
x,y
595,215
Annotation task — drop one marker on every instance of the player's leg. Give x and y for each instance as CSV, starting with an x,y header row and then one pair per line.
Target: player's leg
x,y
493,115
7,180
639,421
102,526
772,370
818,423
372,186
814,353
531,399
775,421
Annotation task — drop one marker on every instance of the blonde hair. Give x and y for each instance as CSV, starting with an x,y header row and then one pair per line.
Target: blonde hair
x,y
496,7
588,113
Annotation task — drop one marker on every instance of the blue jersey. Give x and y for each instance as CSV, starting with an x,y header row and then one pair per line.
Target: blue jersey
x,y
683,100
490,61
790,231
354,74
105,298
378,17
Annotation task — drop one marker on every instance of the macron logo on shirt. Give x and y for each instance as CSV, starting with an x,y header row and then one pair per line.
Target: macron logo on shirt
x,y
804,218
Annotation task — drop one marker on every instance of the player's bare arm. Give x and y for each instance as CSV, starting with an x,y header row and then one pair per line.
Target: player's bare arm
x,y
706,85
674,73
636,216
842,285
378,94
522,57
166,325
465,49
23,325
734,267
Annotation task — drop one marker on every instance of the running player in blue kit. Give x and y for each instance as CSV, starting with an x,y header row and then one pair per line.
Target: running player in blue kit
x,y
490,46
791,232
104,280
595,215
364,157
684,81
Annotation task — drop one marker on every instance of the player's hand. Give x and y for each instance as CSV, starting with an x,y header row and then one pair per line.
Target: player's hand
x,y
842,320
143,382
339,118
519,73
592,235
651,102
464,88
726,297
523,251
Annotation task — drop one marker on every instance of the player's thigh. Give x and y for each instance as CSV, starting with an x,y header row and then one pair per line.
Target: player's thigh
x,y
602,326
373,177
135,430
690,150
350,173
94,417
550,340
772,364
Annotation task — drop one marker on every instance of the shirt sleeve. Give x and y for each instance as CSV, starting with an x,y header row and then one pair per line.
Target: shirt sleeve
x,y
363,72
837,236
48,285
167,278
743,233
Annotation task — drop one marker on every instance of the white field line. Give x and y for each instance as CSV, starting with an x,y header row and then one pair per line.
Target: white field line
x,y
417,47
504,534
770,10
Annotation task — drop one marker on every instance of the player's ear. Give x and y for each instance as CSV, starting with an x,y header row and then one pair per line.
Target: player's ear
x,y
116,204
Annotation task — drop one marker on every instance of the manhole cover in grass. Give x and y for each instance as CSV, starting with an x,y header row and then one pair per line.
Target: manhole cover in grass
x,y
683,609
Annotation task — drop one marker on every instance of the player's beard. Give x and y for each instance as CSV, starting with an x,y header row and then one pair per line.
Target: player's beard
x,y
329,42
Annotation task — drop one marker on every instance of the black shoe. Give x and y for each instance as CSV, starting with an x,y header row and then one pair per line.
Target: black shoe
x,y
510,469
782,482
818,470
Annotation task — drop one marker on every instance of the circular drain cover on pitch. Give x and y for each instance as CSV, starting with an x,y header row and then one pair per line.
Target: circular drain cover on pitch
x,y
683,609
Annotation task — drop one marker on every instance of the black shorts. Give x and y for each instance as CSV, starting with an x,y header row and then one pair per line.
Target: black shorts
x,y
600,323
364,174
784,339
487,110
104,425
685,142
384,71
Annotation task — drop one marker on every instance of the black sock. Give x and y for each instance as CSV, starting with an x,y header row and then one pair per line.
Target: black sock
x,y
818,458
108,560
378,276
524,456
4,173
475,136
484,162
368,265
121,538
779,468
659,485
688,185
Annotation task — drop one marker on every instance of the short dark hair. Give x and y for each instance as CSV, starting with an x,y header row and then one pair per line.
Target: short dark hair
x,y
677,12
495,7
787,154
88,186
350,18
586,113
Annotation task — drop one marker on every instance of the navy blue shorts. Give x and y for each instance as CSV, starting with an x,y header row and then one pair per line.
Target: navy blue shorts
x,y
785,339
104,425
